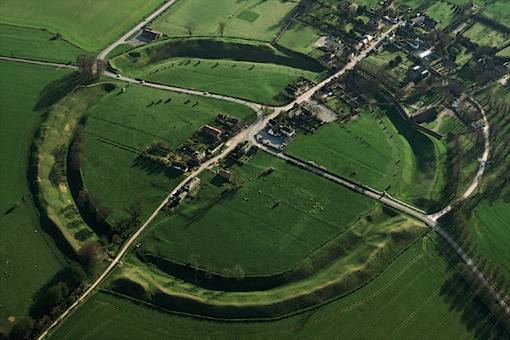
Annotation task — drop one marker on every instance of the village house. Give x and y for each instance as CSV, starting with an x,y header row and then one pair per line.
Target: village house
x,y
211,132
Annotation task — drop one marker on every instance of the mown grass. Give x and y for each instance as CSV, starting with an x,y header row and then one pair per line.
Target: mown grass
x,y
485,36
382,59
29,256
89,27
266,226
417,295
30,43
204,16
122,125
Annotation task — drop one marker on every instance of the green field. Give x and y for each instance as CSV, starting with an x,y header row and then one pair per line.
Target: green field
x,y
122,125
359,150
485,36
29,256
266,226
416,296
89,27
249,19
257,72
380,152
30,43
489,224
443,12
299,38
499,11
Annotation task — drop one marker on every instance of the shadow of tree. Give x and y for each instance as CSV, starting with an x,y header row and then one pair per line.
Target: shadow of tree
x,y
461,297
56,90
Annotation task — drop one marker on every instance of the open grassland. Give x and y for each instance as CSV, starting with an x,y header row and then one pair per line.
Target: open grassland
x,y
265,225
249,19
29,257
499,11
257,72
443,12
415,296
485,36
30,43
411,3
122,125
91,26
300,38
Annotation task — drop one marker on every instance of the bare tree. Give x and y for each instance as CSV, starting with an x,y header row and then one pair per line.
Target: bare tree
x,y
86,65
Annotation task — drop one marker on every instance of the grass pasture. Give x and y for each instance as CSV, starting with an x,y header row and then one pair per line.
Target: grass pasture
x,y
89,26
284,215
380,151
258,72
29,256
358,149
122,125
31,43
250,19
299,38
484,35
416,296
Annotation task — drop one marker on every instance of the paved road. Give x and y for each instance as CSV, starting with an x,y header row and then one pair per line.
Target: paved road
x,y
102,55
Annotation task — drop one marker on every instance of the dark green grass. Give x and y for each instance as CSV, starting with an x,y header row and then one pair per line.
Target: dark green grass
x,y
23,42
416,296
248,16
267,226
27,253
121,126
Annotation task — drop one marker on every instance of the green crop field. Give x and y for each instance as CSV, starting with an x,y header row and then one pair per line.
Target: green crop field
x,y
249,19
89,27
418,295
256,72
29,257
30,43
486,36
122,125
489,224
443,12
499,11
267,225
